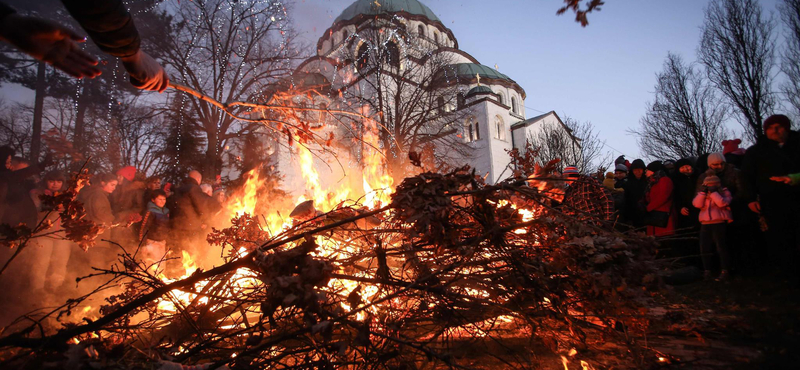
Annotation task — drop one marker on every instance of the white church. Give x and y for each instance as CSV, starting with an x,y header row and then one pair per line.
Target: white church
x,y
491,105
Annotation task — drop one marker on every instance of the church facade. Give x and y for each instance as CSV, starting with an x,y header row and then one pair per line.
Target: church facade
x,y
473,112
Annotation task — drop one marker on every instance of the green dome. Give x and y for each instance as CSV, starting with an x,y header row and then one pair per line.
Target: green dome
x,y
370,7
480,90
470,70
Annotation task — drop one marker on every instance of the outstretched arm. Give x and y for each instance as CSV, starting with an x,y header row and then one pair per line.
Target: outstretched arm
x,y
47,41
111,27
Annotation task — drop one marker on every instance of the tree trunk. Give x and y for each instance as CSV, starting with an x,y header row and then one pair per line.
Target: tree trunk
x,y
38,108
210,169
83,104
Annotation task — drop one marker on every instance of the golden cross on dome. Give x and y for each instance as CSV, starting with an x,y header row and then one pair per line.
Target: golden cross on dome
x,y
478,76
377,3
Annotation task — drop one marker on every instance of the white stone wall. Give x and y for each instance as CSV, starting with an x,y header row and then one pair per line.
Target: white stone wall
x,y
490,157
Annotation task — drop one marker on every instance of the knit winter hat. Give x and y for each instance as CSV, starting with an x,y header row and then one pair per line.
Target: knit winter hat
x,y
715,158
683,162
655,166
620,160
777,119
711,178
621,168
609,175
128,172
571,171
730,146
638,163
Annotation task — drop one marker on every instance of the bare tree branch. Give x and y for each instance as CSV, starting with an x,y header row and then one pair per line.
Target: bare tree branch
x,y
686,119
738,51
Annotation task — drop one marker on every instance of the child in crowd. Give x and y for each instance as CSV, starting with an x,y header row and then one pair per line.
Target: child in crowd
x,y
155,228
715,213
608,182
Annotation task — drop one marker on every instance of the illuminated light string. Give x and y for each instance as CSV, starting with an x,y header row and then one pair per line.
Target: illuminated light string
x,y
406,49
217,28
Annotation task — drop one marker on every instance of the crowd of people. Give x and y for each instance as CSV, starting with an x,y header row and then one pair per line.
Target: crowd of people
x,y
736,208
141,215
733,208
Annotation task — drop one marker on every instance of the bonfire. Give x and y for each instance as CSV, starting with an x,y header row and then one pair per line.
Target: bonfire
x,y
437,270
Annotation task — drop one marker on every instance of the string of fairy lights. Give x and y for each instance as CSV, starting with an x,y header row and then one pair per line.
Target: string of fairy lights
x,y
206,48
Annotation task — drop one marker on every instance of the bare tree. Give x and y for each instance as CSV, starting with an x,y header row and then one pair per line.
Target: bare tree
x,y
130,134
229,51
738,51
790,58
15,126
686,119
410,91
575,144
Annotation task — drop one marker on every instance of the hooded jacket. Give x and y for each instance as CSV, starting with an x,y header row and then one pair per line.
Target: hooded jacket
x,y
97,205
659,198
731,179
191,208
715,207
155,223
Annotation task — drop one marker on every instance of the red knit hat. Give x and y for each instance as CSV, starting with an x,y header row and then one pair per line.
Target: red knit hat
x,y
730,146
128,172
777,119
571,171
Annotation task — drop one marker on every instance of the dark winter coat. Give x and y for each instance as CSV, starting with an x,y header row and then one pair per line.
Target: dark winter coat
x,y
128,198
97,205
108,23
18,207
730,177
191,208
155,223
767,159
634,193
683,193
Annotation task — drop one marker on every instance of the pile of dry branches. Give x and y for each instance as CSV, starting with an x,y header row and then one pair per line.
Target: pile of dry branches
x,y
449,263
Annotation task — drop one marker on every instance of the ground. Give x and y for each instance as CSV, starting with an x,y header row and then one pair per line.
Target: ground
x,y
746,323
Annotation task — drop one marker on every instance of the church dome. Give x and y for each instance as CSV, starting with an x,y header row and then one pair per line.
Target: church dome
x,y
375,7
480,90
470,70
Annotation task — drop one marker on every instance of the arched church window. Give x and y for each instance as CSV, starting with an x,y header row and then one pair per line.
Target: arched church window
x,y
499,128
421,30
471,130
461,100
514,104
440,104
392,55
501,98
436,37
363,57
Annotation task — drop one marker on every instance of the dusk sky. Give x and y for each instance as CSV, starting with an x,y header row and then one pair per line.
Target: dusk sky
x,y
603,73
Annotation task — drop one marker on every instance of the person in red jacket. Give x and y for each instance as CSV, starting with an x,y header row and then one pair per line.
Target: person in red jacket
x,y
658,197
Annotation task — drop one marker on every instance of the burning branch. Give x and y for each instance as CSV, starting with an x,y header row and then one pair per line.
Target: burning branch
x,y
449,262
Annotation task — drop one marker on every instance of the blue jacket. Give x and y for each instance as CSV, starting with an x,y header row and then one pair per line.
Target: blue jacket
x,y
155,223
